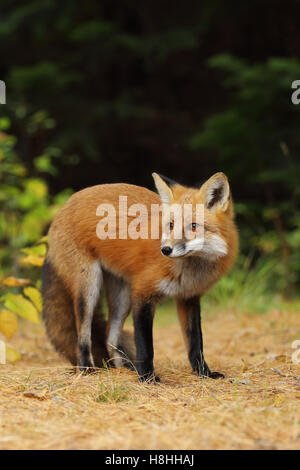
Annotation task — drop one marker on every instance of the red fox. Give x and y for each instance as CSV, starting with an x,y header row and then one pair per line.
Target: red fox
x,y
135,273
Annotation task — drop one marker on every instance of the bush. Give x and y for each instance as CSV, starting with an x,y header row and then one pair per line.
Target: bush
x,y
26,208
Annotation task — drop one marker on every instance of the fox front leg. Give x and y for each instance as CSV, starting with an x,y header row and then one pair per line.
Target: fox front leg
x,y
143,314
190,320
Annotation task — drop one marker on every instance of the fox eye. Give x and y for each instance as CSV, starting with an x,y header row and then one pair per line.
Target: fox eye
x,y
193,226
171,225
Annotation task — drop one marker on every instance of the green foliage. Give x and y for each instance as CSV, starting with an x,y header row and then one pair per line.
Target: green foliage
x,y
246,289
258,143
258,122
20,298
26,207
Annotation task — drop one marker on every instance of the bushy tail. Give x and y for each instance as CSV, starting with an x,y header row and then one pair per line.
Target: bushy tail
x,y
59,319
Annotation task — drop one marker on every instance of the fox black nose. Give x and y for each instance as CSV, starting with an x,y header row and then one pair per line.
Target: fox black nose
x,y
166,250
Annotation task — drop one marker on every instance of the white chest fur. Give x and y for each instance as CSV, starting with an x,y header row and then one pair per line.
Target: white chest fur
x,y
192,276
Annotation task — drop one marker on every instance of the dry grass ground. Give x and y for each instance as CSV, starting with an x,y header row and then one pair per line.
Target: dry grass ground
x,y
45,406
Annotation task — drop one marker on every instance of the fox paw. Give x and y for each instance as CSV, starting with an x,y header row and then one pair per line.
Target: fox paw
x,y
216,375
211,375
150,379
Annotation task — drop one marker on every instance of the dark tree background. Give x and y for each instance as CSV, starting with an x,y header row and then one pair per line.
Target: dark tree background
x,y
107,91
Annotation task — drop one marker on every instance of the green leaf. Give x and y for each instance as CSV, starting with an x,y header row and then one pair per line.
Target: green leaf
x,y
21,306
35,296
34,260
39,250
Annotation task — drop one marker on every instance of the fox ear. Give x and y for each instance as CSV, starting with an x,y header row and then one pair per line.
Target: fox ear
x,y
216,192
165,192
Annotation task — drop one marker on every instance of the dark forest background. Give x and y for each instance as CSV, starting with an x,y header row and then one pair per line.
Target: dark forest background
x,y
108,91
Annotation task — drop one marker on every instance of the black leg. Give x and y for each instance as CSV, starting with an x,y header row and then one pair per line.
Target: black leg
x,y
190,319
85,364
143,315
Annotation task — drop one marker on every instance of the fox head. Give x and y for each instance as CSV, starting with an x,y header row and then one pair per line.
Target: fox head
x,y
196,222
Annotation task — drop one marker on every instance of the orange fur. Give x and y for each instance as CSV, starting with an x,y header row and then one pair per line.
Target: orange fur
x,y
73,238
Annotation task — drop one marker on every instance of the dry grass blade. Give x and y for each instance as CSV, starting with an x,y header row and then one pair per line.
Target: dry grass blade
x,y
44,404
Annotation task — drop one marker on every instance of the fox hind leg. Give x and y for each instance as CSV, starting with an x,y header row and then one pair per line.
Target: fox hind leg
x,y
85,304
118,295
